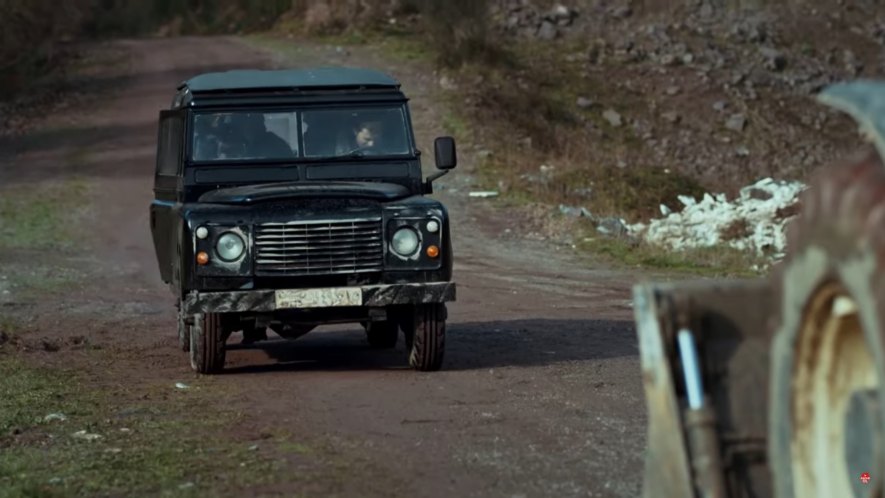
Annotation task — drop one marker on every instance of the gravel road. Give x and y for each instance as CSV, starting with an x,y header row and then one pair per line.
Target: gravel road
x,y
540,394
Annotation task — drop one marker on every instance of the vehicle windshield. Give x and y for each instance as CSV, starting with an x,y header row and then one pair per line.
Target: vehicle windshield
x,y
315,133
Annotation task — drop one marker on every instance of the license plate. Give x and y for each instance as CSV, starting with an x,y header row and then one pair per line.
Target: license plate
x,y
319,298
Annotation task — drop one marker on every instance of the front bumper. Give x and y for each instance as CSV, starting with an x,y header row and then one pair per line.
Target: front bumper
x,y
269,300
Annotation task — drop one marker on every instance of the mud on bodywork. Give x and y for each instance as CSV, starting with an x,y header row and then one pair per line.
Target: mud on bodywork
x,y
265,300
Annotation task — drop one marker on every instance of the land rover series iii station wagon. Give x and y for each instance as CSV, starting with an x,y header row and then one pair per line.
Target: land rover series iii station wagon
x,y
290,199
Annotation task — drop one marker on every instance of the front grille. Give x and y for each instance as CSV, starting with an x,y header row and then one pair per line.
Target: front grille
x,y
319,247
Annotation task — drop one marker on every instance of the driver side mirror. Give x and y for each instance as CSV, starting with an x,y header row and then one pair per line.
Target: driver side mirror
x,y
444,150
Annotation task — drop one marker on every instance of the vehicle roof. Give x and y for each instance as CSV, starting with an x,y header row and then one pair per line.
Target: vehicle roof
x,y
289,79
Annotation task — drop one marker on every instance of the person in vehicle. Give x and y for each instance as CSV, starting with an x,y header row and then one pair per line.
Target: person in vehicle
x,y
378,134
367,136
255,140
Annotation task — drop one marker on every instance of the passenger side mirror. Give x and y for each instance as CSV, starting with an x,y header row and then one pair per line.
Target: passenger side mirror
x,y
446,160
444,150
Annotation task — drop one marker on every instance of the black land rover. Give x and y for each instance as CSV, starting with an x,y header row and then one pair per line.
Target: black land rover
x,y
294,198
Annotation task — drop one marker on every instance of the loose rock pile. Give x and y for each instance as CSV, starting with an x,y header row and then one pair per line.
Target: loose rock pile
x,y
521,17
754,221
708,90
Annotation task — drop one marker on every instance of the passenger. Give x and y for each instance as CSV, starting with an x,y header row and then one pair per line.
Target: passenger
x,y
257,141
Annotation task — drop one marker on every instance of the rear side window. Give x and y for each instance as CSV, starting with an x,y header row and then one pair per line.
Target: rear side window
x,y
169,143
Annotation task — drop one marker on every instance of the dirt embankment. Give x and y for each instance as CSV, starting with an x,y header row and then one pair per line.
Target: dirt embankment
x,y
606,110
720,93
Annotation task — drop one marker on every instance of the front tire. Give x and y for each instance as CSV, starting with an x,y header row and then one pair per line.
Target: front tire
x,y
207,340
426,337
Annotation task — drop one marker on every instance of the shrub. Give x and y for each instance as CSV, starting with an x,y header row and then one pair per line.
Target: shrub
x,y
459,30
29,33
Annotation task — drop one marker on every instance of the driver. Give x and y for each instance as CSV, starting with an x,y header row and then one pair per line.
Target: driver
x,y
368,135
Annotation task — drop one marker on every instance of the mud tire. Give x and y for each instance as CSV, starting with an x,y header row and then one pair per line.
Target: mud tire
x,y
827,352
426,337
382,335
207,339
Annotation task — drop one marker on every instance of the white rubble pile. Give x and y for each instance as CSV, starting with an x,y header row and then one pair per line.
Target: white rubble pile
x,y
701,223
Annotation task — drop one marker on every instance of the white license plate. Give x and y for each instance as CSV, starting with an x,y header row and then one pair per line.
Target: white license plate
x,y
319,298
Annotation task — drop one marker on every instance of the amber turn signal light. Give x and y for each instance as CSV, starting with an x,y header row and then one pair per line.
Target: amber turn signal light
x,y
432,251
202,258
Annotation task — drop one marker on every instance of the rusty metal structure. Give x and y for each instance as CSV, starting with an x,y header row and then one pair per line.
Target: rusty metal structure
x,y
776,387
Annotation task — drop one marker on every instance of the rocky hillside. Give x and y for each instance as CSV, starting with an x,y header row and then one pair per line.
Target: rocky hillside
x,y
614,106
721,94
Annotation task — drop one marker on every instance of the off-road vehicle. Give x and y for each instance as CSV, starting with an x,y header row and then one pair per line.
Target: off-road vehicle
x,y
289,199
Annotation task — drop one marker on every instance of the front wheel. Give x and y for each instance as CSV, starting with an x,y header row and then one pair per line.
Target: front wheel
x,y
425,332
207,340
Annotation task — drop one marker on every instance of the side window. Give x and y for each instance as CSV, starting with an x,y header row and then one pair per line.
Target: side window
x,y
169,143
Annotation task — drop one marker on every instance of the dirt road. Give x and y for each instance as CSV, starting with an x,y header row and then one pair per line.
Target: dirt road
x,y
540,393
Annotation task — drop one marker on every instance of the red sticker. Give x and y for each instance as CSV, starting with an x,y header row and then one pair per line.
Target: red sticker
x,y
865,478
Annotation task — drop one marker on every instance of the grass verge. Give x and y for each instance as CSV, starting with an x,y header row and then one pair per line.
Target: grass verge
x,y
62,435
719,261
42,218
36,222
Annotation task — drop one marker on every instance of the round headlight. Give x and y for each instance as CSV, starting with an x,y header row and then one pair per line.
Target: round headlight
x,y
405,242
202,232
432,226
230,247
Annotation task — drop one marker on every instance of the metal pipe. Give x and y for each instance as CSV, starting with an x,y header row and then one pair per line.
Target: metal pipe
x,y
690,369
700,424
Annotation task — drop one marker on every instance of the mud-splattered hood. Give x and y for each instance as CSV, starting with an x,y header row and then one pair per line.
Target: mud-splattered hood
x,y
252,194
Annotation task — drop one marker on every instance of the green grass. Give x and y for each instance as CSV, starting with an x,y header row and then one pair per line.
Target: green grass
x,y
721,261
455,124
9,329
38,280
162,442
42,218
35,221
398,43
286,442
395,43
